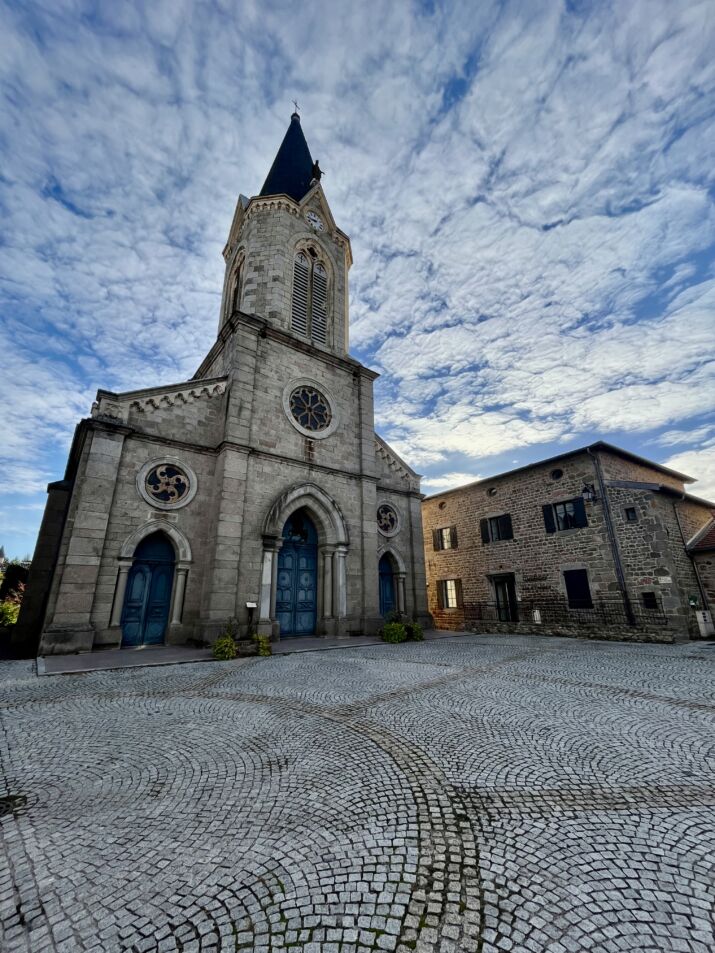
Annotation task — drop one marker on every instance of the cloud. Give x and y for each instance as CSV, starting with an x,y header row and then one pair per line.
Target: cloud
x,y
699,462
528,188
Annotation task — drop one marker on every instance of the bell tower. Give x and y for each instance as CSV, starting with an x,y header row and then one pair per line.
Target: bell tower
x,y
286,260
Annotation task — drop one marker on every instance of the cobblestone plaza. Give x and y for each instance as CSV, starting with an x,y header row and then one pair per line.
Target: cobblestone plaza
x,y
477,794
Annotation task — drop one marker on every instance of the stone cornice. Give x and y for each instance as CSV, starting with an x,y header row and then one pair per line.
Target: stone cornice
x,y
265,330
117,407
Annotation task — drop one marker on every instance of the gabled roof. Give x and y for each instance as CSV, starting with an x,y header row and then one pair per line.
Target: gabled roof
x,y
704,539
292,168
598,445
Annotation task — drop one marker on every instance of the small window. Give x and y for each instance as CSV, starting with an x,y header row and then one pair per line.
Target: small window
x,y
631,514
650,600
236,288
445,538
309,450
492,491
578,591
496,528
570,514
442,504
557,474
449,593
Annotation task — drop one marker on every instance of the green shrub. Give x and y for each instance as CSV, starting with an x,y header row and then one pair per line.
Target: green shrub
x,y
414,632
393,632
9,611
264,645
225,647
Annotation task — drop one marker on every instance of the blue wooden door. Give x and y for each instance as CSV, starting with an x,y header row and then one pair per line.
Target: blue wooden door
x,y
148,596
297,582
387,586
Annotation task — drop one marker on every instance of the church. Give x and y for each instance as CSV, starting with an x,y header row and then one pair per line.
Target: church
x,y
256,491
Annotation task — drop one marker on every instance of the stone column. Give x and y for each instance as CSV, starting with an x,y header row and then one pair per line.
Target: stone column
x,y
124,566
274,578
269,573
328,582
340,584
177,604
400,580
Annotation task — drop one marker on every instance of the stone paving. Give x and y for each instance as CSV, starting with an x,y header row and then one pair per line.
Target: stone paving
x,y
484,794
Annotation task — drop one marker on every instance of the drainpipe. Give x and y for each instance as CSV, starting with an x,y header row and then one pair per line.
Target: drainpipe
x,y
608,519
701,588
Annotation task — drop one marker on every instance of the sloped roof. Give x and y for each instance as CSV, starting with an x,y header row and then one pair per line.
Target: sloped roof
x,y
598,445
704,539
292,168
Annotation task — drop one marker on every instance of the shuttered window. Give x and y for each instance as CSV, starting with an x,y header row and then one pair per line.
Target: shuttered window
x,y
320,303
571,514
449,593
445,538
309,313
301,293
496,528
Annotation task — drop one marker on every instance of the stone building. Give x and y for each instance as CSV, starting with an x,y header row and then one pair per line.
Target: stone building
x,y
259,481
595,540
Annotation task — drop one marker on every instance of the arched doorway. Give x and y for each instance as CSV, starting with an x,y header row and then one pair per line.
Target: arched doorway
x,y
297,581
388,589
147,599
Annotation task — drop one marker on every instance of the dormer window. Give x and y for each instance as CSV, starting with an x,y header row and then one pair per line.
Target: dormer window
x,y
309,313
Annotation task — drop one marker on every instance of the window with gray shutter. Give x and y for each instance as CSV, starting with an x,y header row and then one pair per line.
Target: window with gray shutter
x,y
301,292
319,317
309,310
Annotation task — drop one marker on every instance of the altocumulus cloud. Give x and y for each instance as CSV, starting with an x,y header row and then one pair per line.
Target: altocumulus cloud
x,y
528,188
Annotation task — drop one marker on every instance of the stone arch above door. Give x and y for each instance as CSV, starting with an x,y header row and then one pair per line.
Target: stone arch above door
x,y
181,544
395,554
324,511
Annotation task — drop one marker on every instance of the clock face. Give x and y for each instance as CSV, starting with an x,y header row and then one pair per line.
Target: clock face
x,y
315,221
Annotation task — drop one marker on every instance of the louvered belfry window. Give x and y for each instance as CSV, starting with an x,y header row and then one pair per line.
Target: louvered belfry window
x,y
309,315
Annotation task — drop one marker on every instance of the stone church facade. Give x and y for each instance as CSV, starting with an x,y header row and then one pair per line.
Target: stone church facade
x,y
259,481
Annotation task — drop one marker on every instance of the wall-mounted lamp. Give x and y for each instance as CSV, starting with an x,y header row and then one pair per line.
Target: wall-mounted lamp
x,y
589,493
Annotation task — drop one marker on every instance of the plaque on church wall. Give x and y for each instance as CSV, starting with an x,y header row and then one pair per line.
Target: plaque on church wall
x,y
167,484
388,522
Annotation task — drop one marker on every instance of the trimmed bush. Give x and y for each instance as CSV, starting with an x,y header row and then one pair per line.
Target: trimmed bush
x,y
393,632
414,632
224,648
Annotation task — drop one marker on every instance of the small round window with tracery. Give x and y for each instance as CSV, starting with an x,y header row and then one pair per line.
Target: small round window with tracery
x,y
310,409
386,518
166,483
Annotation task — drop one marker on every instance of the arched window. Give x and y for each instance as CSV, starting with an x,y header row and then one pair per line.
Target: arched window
x,y
235,288
309,315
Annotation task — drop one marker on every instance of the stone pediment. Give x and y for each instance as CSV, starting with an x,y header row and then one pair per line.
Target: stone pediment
x,y
394,467
117,407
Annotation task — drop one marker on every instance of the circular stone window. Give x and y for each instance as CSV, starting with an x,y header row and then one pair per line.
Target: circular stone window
x,y
388,522
310,408
492,491
167,484
557,474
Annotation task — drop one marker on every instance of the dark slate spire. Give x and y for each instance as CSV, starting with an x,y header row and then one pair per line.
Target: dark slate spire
x,y
292,167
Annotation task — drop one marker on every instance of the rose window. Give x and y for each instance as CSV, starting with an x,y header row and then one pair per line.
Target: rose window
x,y
310,408
166,483
386,518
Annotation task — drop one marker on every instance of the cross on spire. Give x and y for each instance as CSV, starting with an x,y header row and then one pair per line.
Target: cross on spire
x,y
297,107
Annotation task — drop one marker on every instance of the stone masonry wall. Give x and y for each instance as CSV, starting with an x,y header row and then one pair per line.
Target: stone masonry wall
x,y
651,549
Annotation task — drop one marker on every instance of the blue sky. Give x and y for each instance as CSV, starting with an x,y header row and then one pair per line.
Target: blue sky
x,y
529,189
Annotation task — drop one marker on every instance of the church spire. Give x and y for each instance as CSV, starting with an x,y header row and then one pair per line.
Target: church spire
x,y
292,169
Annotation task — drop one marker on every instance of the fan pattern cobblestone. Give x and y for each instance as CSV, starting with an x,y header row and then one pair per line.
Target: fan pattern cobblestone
x,y
480,794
